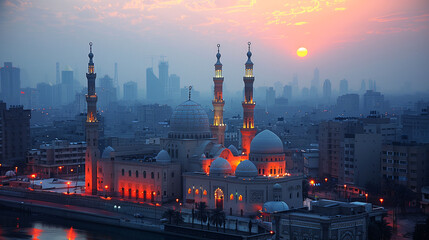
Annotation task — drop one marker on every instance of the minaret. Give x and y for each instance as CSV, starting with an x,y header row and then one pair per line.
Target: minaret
x,y
218,127
248,131
91,128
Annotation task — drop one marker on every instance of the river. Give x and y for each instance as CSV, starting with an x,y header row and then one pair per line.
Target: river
x,y
15,225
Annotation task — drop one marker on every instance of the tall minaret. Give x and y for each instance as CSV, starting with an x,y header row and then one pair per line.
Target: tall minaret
x,y
218,127
91,128
248,131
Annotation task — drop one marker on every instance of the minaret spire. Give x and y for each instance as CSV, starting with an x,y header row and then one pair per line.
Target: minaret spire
x,y
218,127
91,130
248,131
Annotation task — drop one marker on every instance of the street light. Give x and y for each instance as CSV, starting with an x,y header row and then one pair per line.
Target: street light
x,y
68,187
33,176
105,192
381,201
345,189
366,197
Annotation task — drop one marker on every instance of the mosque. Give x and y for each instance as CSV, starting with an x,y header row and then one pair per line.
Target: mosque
x,y
194,164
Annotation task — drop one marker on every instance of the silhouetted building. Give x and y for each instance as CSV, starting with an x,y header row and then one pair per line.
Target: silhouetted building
x,y
14,134
348,105
67,89
45,94
130,91
10,84
327,91
163,79
373,101
270,96
106,93
174,87
416,126
57,73
344,87
287,92
314,89
154,90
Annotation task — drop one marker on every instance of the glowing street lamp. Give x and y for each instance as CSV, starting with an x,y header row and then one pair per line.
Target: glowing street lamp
x,y
345,191
68,187
105,190
33,176
381,201
366,197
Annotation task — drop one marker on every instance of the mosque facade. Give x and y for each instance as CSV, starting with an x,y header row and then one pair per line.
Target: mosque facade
x,y
195,166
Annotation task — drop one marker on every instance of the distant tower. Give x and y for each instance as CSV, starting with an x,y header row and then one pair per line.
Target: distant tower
x,y
57,72
248,131
327,90
91,127
344,87
218,127
115,78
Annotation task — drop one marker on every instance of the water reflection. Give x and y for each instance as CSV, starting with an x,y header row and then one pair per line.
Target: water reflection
x,y
23,226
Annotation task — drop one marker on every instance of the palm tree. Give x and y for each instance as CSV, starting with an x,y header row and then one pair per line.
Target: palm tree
x,y
178,218
202,212
217,218
169,214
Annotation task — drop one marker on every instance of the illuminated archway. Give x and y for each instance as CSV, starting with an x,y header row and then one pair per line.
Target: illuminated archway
x,y
219,197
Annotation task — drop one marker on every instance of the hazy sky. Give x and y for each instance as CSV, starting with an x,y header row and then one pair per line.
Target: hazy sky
x,y
386,40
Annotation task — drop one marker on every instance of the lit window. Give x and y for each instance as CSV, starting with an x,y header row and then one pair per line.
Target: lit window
x,y
231,197
189,191
240,198
197,191
205,192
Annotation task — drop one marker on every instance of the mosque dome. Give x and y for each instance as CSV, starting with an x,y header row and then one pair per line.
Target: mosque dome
x,y
274,206
233,150
220,166
189,120
266,142
246,169
163,157
277,186
107,151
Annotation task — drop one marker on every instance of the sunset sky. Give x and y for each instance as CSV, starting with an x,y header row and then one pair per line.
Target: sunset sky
x,y
385,40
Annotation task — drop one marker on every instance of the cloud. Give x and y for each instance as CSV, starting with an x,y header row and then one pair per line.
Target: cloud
x,y
300,23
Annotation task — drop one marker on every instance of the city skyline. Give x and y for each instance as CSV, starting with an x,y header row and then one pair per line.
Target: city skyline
x,y
382,41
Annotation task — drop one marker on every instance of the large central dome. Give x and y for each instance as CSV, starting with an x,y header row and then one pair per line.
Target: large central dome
x,y
189,118
266,142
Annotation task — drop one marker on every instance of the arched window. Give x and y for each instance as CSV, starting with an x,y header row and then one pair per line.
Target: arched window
x,y
123,171
231,197
144,174
240,198
205,192
189,191
152,175
137,174
129,173
197,191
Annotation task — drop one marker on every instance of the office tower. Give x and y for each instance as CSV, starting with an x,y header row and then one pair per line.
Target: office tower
x,y
14,135
218,127
348,105
45,94
163,79
344,87
10,84
91,129
327,91
314,88
174,87
270,96
116,80
107,92
130,91
415,126
372,85
67,90
248,131
373,101
57,73
362,86
153,86
287,92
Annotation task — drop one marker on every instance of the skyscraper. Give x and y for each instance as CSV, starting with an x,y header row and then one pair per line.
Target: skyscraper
x,y
270,96
130,91
107,92
248,131
153,87
287,92
57,73
344,87
327,92
67,89
314,89
91,128
174,87
163,79
218,127
10,84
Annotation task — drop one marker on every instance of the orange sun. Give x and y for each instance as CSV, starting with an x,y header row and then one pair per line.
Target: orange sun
x,y
301,52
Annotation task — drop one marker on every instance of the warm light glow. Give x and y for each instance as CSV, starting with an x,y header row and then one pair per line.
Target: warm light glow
x,y
345,186
311,182
68,183
326,179
240,198
231,197
177,200
301,52
106,187
33,175
366,194
205,192
189,191
197,191
381,200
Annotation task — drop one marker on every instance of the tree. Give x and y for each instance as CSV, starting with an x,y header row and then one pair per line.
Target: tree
x,y
169,215
178,218
217,218
202,212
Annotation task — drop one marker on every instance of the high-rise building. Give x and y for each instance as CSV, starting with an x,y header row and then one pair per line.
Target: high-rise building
x,y
107,92
14,134
163,79
373,101
45,94
314,88
57,73
153,86
10,84
248,131
174,87
91,128
348,105
327,90
67,89
287,92
218,127
416,126
344,87
270,96
130,91
362,86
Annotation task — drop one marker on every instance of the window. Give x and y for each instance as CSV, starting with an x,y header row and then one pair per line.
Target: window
x,y
240,198
172,174
189,191
129,173
144,174
137,174
152,175
123,171
205,192
231,197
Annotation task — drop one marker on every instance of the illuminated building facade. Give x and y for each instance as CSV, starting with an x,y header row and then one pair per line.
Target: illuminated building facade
x,y
91,127
218,127
248,131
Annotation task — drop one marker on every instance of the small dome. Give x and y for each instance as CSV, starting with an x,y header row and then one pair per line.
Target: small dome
x,y
189,118
10,173
274,206
246,169
277,186
107,151
266,142
233,150
203,156
163,157
220,166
